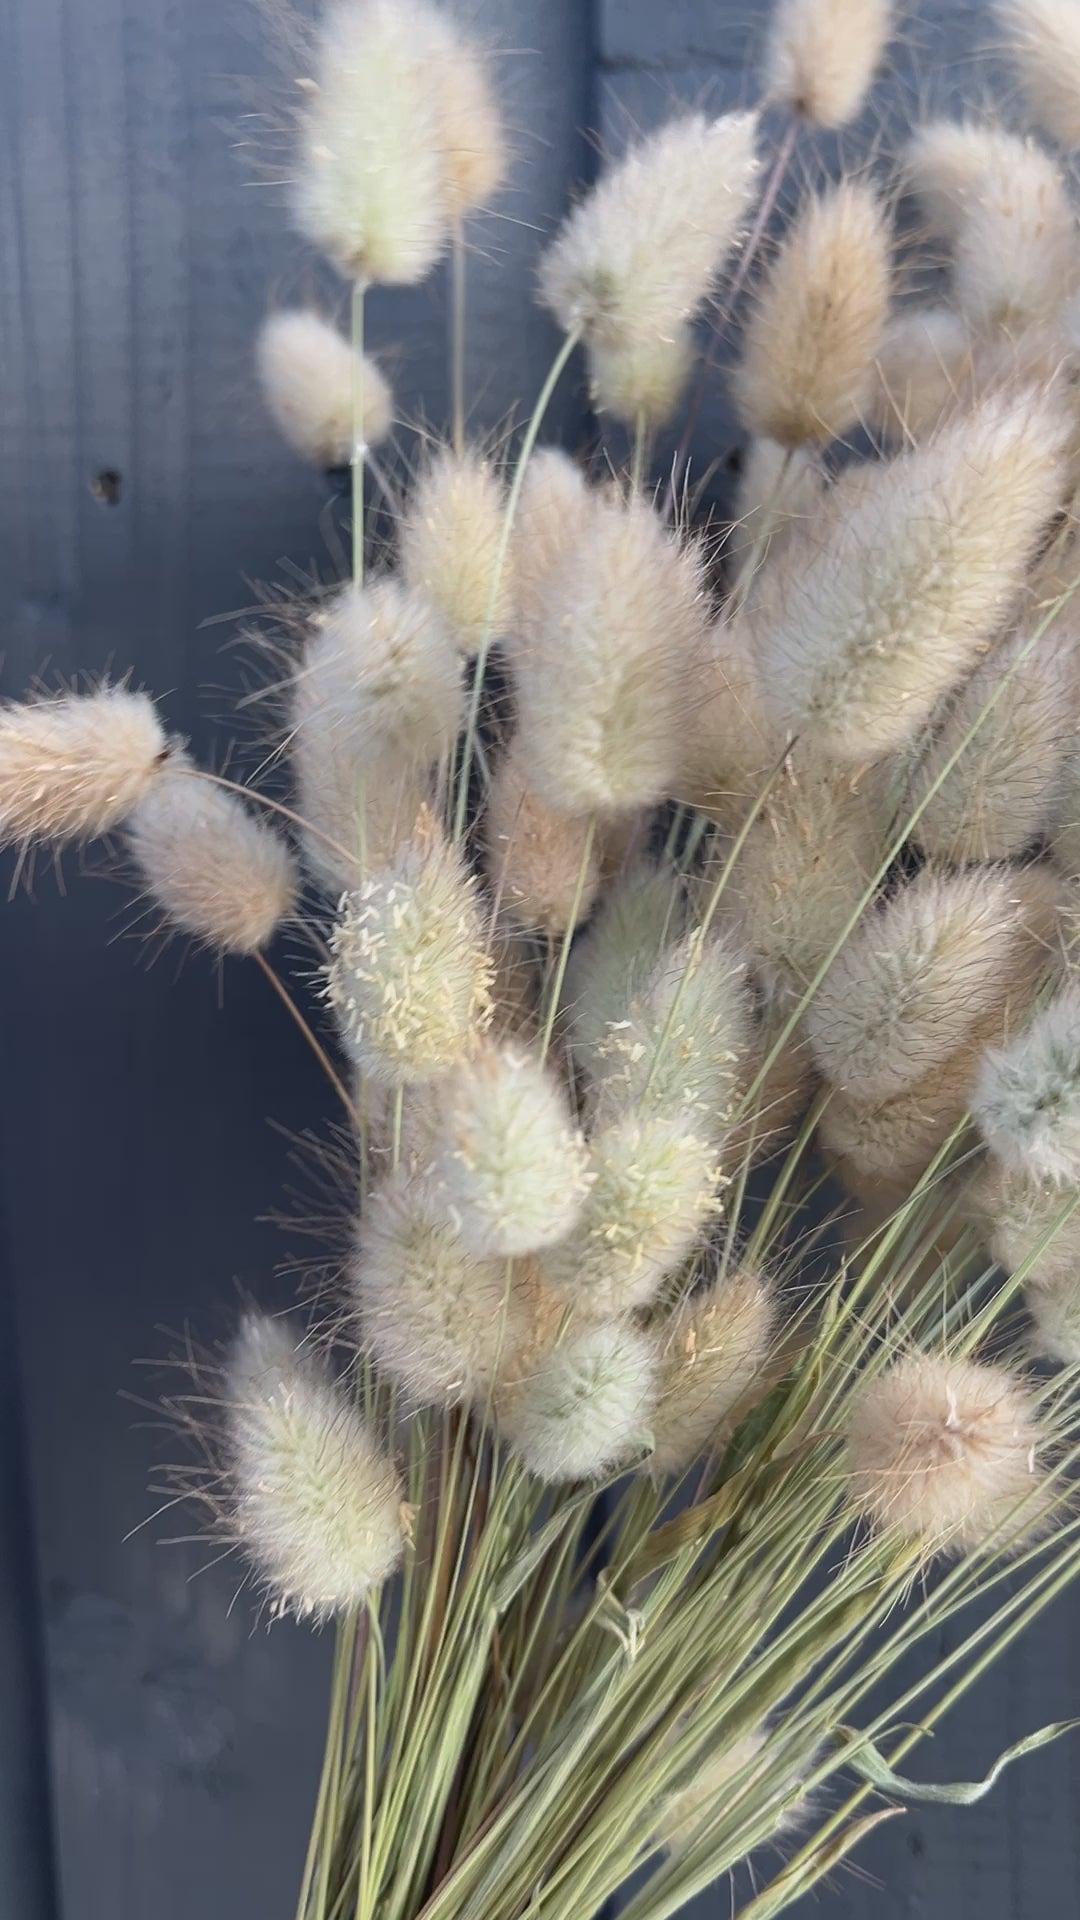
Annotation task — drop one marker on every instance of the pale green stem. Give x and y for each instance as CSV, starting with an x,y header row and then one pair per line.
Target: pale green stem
x,y
480,665
559,975
640,454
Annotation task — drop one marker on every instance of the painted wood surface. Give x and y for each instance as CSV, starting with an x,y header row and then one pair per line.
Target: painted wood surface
x,y
147,1111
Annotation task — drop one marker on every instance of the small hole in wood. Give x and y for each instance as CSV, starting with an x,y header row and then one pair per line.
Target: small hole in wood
x,y
107,487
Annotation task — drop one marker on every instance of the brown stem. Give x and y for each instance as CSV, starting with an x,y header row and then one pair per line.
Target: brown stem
x,y
312,1039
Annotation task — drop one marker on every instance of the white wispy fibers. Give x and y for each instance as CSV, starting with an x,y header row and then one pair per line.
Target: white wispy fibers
x,y
808,860
392,657
640,255
1055,1317
621,621
1016,1214
945,1451
682,1044
1016,257
778,487
948,163
511,1161
653,1192
889,602
923,369
472,139
553,511
638,918
357,806
917,974
409,973
74,766
1065,836
739,1767
433,1316
729,741
306,368
1027,1102
586,1407
810,342
311,1498
1000,795
543,866
1043,37
821,56
215,869
714,1350
450,538
371,185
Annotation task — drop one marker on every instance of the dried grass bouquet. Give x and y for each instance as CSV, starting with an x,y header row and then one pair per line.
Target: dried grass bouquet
x,y
693,915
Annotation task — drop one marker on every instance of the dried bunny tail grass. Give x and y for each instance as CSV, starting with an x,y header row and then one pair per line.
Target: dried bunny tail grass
x,y
643,379
450,541
1065,832
471,134
714,1351
395,669
778,487
613,961
604,669
511,1161
682,1045
586,1407
806,372
999,796
1016,254
1055,1322
553,512
640,255
889,603
1027,1102
918,974
543,866
923,370
653,1193
946,1452
409,974
1043,37
306,368
1015,1214
74,766
357,807
821,56
949,163
216,871
433,1316
372,187
808,860
686,1815
729,741
312,1500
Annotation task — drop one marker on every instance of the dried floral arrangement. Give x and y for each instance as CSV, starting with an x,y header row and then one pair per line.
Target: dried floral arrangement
x,y
694,915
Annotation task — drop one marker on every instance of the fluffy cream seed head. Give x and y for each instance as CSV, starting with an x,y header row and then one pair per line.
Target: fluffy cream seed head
x,y
943,1451
586,1406
1055,1316
511,1162
553,511
917,975
543,866
948,163
1016,1214
923,369
1016,254
999,796
1027,1102
886,606
313,1502
433,1316
806,373
739,1768
397,668
409,974
471,136
713,1352
450,539
215,869
371,185
305,368
778,487
73,767
1065,826
654,1190
612,962
1043,38
821,56
621,622
638,258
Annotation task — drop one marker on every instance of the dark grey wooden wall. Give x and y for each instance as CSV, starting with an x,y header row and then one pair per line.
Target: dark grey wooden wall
x,y
157,1754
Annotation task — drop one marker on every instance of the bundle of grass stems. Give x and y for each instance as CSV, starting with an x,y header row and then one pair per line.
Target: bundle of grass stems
x,y
693,909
